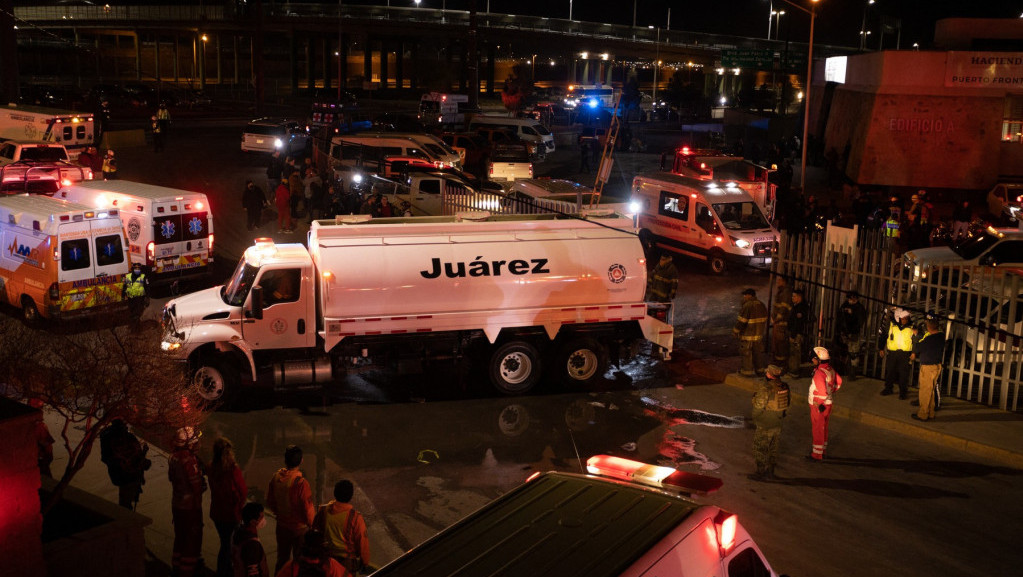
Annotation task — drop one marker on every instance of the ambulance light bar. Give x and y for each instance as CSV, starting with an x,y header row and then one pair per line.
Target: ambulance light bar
x,y
656,476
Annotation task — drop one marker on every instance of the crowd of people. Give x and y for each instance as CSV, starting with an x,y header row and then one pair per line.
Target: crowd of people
x,y
330,540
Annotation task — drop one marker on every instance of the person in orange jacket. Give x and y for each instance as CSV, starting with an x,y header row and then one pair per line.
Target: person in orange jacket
x,y
291,499
344,529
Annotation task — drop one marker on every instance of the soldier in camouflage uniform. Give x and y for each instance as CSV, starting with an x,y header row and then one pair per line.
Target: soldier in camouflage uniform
x,y
770,400
749,329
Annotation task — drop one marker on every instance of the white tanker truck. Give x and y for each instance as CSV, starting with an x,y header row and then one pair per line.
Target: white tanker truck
x,y
526,294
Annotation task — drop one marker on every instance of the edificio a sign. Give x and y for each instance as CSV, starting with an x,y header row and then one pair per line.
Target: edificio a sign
x,y
984,69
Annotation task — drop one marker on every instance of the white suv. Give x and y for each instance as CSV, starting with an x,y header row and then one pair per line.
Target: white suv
x,y
270,134
993,247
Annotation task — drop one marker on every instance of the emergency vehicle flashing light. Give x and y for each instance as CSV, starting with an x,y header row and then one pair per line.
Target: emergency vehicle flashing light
x,y
628,470
725,524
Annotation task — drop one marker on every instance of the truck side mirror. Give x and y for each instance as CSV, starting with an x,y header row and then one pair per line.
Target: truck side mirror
x,y
257,302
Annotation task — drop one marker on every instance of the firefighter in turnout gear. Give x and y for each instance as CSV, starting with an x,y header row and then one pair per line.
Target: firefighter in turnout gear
x,y
823,384
749,329
780,311
188,482
662,285
136,290
770,400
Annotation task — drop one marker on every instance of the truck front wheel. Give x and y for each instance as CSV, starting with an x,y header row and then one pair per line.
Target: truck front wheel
x,y
215,382
582,360
515,368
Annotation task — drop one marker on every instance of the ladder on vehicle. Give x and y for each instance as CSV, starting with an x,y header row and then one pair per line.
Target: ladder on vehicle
x,y
606,160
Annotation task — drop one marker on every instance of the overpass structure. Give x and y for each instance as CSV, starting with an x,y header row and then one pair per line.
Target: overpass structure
x,y
294,47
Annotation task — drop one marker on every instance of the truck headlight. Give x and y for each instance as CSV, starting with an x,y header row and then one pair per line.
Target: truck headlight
x,y
168,346
278,143
739,242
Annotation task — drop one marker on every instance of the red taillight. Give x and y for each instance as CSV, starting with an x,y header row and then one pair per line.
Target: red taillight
x,y
530,170
211,245
54,292
725,525
150,253
491,170
533,476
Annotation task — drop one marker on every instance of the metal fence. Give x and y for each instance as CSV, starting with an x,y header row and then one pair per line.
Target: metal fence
x,y
981,308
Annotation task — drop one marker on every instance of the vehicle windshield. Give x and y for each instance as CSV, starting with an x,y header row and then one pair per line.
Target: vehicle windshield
x,y
976,246
44,153
541,129
740,215
237,289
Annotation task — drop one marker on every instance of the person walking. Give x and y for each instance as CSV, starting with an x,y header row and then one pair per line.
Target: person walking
x,y
163,119
749,329
109,166
852,317
188,482
125,458
135,289
291,499
896,349
282,200
823,385
780,312
770,401
253,201
344,529
228,493
799,325
929,350
313,560
247,554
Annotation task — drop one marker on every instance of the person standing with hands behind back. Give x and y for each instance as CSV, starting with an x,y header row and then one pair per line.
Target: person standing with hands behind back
x,y
823,384
770,400
228,493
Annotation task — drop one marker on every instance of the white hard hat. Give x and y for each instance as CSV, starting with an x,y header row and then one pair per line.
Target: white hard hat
x,y
821,353
901,314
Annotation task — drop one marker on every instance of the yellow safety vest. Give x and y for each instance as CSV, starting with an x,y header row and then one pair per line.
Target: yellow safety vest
x,y
900,338
135,287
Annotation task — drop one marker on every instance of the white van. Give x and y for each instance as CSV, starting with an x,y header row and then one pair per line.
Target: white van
x,y
622,519
370,150
716,222
169,230
527,129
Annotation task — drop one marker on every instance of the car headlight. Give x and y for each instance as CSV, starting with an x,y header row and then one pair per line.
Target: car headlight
x,y
168,346
739,242
278,143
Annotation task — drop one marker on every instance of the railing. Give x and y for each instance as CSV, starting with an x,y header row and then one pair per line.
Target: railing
x,y
979,308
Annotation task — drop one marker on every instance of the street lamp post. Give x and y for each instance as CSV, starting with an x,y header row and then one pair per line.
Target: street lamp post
x,y
863,26
569,10
806,93
770,18
777,22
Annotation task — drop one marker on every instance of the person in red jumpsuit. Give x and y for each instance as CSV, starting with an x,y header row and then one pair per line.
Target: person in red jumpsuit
x,y
188,481
823,385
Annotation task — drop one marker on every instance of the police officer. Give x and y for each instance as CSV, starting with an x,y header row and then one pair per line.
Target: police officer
x,y
749,329
851,318
136,289
188,482
799,323
896,349
823,385
158,135
770,400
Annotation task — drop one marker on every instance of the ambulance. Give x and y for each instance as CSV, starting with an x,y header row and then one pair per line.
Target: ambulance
x,y
60,259
169,230
74,130
623,518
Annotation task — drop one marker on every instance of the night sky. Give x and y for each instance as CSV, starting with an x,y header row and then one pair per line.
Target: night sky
x,y
838,21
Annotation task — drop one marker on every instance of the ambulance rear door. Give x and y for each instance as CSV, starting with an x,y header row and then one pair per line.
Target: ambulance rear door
x,y
182,232
91,263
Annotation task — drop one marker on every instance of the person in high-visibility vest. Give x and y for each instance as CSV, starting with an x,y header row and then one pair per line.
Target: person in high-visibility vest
x,y
291,499
344,529
823,384
135,289
896,350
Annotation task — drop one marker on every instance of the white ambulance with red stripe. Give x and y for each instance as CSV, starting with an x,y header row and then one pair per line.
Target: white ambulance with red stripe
x,y
59,259
526,294
169,230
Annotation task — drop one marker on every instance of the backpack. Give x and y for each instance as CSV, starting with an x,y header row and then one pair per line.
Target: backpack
x,y
778,400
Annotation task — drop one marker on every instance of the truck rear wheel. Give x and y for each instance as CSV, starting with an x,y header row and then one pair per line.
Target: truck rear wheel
x,y
215,382
515,368
29,311
582,360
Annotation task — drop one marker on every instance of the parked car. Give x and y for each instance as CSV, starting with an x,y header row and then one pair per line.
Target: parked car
x,y
269,134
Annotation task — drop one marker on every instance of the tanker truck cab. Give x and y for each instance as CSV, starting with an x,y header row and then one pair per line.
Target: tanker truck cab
x,y
623,518
716,222
525,295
